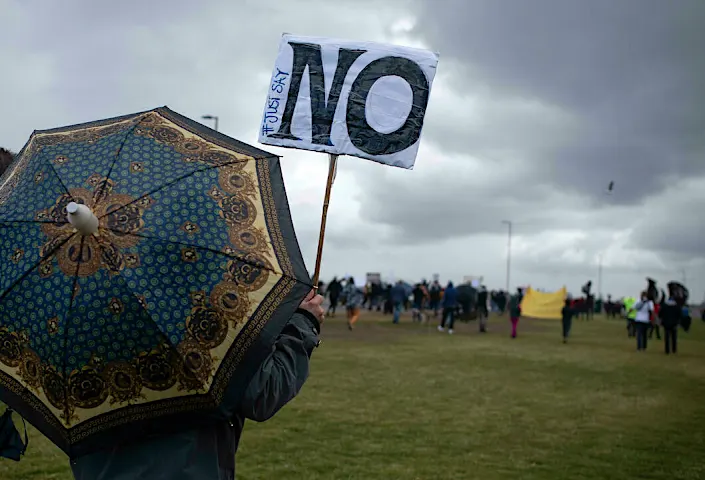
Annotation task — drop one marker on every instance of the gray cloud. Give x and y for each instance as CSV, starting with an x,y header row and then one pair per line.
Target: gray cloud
x,y
631,73
561,96
538,105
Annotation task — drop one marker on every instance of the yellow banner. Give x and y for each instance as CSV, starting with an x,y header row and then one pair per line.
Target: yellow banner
x,y
543,305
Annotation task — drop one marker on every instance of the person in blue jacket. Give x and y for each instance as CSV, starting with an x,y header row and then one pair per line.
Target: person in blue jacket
x,y
450,303
398,295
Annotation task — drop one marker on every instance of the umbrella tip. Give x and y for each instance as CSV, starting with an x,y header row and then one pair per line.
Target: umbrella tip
x,y
82,218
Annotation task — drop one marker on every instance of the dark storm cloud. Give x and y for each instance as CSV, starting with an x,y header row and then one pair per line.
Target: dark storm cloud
x,y
674,225
631,71
572,93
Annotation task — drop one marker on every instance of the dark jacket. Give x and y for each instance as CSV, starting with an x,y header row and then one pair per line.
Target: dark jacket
x,y
482,300
670,314
567,314
515,306
334,289
435,293
209,452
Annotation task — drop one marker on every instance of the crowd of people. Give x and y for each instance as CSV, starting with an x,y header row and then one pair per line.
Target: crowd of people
x,y
448,303
424,300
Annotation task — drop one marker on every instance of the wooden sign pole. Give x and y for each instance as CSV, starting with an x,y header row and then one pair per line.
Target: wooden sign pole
x,y
326,200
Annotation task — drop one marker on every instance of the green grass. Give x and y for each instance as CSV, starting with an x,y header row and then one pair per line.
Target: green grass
x,y
406,402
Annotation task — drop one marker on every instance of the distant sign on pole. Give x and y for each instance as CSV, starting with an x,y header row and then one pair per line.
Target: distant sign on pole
x,y
436,277
374,278
473,280
343,97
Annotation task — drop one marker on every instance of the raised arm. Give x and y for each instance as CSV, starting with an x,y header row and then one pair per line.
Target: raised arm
x,y
284,372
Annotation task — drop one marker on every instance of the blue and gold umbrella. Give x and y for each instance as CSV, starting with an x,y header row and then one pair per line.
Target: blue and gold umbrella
x,y
147,263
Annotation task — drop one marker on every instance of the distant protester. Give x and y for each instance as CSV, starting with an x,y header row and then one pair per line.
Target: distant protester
x,y
353,302
567,318
482,313
333,292
450,303
515,310
644,309
397,296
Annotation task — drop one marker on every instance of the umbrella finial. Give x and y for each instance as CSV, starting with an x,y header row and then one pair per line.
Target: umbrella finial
x,y
81,217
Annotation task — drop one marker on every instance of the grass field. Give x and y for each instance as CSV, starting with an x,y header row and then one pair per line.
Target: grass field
x,y
407,402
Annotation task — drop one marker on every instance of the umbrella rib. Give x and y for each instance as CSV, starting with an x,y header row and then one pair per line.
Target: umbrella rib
x,y
66,330
41,222
101,189
199,247
26,274
124,285
183,177
63,185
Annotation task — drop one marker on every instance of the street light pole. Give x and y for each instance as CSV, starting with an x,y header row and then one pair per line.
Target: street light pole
x,y
599,277
508,223
211,117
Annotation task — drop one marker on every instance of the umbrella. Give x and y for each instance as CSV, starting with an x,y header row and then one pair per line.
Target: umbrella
x,y
467,299
147,264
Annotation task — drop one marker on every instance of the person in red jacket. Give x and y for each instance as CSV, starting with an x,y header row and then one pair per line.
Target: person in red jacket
x,y
655,322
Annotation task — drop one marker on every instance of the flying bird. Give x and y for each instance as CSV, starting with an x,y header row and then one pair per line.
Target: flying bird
x,y
610,187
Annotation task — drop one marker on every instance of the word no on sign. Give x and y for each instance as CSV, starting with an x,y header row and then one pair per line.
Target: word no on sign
x,y
383,92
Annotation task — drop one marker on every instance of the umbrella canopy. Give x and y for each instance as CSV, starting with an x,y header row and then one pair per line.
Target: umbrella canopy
x,y
147,264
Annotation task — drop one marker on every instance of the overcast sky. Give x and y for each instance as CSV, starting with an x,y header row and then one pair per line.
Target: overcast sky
x,y
536,107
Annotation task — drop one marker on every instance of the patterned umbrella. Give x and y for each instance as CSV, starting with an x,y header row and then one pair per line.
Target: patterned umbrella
x,y
147,263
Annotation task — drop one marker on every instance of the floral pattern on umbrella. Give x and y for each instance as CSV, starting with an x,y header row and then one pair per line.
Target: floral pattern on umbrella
x,y
194,259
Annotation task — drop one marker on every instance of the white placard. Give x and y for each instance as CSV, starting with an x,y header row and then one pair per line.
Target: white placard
x,y
473,280
342,97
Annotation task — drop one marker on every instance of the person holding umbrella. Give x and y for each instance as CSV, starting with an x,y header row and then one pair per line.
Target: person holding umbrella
x,y
169,298
208,452
671,314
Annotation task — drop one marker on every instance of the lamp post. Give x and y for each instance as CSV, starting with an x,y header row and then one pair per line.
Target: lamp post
x,y
211,117
599,276
508,223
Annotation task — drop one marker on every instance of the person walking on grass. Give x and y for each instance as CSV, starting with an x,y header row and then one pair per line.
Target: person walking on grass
x,y
434,294
482,312
397,296
642,319
353,302
655,322
333,292
671,314
567,313
450,303
515,311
